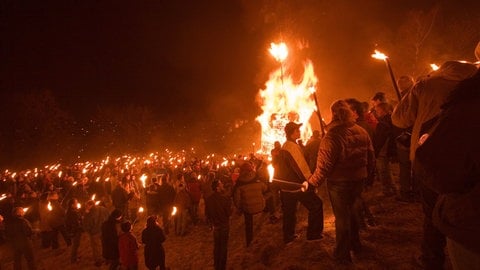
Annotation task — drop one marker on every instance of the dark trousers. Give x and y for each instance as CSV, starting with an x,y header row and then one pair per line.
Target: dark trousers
x,y
193,210
220,247
54,236
114,264
159,262
362,212
343,195
408,187
248,228
23,249
314,206
165,212
433,242
75,245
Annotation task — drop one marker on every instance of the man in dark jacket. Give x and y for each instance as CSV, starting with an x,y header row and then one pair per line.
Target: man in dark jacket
x,y
153,238
345,160
218,209
311,150
110,231
384,145
19,231
292,167
451,155
120,198
73,224
419,105
165,197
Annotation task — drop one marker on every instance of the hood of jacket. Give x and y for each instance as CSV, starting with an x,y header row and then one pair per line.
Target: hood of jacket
x,y
455,71
247,177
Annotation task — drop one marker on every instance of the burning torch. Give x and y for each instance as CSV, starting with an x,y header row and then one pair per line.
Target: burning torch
x,y
382,56
271,170
322,125
280,53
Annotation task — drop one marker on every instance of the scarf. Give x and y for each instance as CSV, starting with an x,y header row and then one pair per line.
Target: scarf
x,y
296,153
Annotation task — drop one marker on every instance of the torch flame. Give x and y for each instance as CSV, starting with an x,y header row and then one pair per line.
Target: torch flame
x,y
434,67
279,51
143,178
49,206
140,209
79,205
271,170
379,55
93,197
174,211
25,209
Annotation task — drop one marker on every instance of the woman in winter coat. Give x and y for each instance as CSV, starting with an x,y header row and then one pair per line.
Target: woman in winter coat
x,y
153,238
248,197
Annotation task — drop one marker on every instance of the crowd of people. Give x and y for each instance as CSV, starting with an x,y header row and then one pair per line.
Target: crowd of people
x,y
65,202
432,123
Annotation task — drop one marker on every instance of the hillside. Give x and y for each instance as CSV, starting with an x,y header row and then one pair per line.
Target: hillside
x,y
392,244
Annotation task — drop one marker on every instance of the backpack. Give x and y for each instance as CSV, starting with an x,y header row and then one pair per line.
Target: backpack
x,y
250,196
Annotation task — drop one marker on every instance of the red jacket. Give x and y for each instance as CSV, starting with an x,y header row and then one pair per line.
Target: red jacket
x,y
128,246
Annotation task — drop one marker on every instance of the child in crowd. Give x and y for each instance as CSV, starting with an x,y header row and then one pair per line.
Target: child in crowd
x,y
128,247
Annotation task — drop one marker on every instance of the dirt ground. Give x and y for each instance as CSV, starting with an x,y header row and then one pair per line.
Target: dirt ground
x,y
392,244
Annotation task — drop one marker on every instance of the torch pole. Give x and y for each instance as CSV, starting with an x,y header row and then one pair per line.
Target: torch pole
x,y
302,186
395,86
322,126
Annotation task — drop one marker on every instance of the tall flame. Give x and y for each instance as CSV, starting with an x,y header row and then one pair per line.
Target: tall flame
x,y
286,101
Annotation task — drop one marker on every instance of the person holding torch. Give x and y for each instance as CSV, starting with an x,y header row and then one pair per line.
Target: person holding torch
x,y
420,105
291,170
346,161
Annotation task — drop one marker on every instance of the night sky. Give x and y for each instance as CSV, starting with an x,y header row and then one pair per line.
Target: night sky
x,y
208,59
